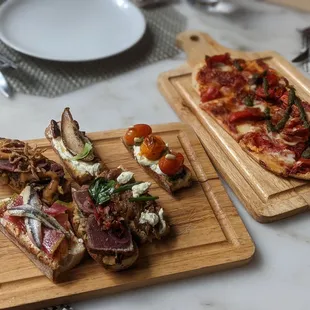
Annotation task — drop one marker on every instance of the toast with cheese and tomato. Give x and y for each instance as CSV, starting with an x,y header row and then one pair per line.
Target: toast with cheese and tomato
x,y
157,159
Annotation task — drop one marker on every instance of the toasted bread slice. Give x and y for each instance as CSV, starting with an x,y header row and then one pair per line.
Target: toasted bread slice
x,y
81,170
170,184
108,259
52,267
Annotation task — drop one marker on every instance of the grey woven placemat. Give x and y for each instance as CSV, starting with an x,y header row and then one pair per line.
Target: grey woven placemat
x,y
60,307
50,79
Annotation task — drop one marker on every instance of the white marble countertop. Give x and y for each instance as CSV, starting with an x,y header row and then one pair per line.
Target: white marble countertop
x,y
278,277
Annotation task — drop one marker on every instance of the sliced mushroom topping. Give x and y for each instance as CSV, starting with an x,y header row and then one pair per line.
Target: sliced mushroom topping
x,y
73,139
55,129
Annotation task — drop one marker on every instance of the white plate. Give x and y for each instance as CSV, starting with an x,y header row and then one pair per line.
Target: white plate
x,y
70,30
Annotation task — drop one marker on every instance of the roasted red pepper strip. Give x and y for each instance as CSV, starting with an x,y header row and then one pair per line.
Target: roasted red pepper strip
x,y
251,114
224,59
211,93
272,79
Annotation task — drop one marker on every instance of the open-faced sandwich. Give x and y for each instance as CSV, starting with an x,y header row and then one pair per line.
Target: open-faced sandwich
x,y
43,233
154,156
21,164
114,213
74,148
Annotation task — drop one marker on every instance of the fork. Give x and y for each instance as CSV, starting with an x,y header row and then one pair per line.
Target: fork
x,y
5,87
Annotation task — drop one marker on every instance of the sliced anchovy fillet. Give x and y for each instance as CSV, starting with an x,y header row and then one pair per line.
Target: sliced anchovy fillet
x,y
34,231
34,213
33,226
26,193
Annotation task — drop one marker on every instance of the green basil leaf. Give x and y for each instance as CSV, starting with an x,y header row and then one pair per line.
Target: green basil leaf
x,y
291,96
87,149
302,112
101,190
143,198
270,126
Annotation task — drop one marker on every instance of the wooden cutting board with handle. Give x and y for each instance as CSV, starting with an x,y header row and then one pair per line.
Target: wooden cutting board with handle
x,y
207,233
266,196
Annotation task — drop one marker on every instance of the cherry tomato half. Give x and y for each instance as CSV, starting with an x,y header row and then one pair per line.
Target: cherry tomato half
x,y
137,131
170,164
152,147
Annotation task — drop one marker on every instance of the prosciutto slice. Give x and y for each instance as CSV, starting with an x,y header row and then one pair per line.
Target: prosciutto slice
x,y
83,201
51,240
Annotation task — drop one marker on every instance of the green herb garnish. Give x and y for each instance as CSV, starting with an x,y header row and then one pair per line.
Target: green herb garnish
x,y
265,86
143,198
248,101
284,119
125,187
101,190
87,149
270,126
288,111
237,65
302,113
291,96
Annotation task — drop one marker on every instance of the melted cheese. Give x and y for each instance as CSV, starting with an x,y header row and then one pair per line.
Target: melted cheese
x,y
260,105
288,158
274,135
225,68
244,128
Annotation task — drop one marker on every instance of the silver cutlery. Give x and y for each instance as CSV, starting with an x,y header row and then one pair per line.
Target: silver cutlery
x,y
7,63
5,87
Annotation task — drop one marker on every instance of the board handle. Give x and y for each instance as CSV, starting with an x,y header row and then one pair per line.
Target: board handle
x,y
196,45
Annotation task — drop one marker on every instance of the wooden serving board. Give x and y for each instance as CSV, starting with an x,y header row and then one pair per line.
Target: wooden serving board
x,y
266,196
207,233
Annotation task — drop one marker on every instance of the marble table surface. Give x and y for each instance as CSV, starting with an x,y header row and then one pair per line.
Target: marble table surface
x,y
278,277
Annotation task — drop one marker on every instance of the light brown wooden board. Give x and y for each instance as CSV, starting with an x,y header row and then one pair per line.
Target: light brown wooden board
x,y
207,233
266,196
296,4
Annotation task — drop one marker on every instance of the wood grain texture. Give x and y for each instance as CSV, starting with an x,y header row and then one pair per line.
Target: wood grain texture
x,y
207,233
266,196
